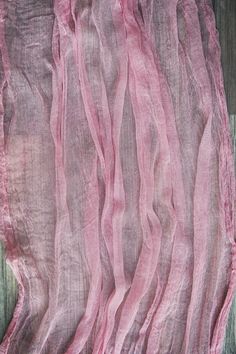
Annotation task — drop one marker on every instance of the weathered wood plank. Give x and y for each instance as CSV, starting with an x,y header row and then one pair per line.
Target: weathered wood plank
x,y
230,338
225,11
8,293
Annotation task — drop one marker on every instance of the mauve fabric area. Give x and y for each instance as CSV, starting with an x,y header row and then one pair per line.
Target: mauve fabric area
x,y
117,183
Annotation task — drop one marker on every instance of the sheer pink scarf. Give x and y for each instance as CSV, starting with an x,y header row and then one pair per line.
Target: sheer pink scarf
x,y
117,182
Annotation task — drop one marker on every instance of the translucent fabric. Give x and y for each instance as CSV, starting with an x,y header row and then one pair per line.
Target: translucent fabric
x,y
117,182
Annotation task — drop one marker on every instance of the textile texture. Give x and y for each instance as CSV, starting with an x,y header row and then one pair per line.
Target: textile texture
x,y
117,184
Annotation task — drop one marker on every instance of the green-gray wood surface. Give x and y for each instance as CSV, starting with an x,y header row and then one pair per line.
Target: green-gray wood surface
x,y
8,293
225,11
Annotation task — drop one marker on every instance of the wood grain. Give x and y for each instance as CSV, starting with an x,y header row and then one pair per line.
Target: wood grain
x,y
225,11
8,293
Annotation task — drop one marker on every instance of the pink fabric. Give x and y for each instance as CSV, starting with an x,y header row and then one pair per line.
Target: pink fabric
x,y
116,177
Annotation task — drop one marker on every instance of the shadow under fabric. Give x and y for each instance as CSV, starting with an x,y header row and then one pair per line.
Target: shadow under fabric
x,y
117,184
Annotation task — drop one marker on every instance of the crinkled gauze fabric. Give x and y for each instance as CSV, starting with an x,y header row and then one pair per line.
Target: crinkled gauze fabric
x,y
116,177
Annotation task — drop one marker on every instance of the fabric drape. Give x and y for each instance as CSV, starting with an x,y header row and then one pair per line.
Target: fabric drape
x,y
117,183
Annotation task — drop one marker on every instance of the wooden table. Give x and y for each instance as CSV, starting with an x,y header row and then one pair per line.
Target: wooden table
x,y
225,11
